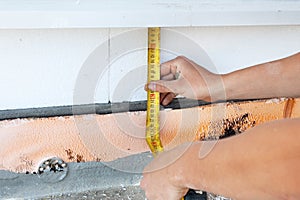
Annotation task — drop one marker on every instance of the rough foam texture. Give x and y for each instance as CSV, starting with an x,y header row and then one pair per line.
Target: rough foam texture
x,y
26,143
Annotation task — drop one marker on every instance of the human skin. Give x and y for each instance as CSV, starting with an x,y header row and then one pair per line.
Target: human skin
x,y
278,78
261,163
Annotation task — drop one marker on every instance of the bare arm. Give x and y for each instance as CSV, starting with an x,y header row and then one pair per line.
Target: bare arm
x,y
182,76
280,78
262,163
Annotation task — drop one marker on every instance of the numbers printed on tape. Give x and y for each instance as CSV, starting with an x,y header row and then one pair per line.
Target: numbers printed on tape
x,y
152,123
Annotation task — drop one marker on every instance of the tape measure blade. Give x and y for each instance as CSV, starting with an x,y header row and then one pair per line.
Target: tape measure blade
x,y
152,122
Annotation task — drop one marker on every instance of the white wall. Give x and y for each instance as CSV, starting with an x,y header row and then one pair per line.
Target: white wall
x,y
47,67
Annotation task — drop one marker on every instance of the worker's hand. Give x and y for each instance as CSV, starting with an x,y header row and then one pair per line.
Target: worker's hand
x,y
182,76
164,177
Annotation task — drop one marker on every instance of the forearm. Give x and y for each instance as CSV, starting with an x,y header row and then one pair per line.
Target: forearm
x,y
279,78
262,163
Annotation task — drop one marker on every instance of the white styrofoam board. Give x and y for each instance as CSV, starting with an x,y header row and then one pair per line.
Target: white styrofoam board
x,y
128,64
233,48
41,67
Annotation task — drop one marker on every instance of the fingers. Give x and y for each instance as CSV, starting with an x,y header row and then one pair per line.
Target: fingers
x,y
168,72
167,98
168,77
162,96
164,86
169,85
169,67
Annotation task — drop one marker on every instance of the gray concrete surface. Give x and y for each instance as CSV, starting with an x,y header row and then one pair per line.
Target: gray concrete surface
x,y
116,180
120,193
113,179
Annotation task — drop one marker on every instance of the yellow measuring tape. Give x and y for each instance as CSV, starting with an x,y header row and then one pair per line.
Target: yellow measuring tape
x,y
153,103
152,123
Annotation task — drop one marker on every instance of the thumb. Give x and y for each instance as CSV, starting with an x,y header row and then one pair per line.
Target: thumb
x,y
164,86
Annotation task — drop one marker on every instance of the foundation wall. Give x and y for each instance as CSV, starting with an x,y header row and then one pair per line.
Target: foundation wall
x,y
26,143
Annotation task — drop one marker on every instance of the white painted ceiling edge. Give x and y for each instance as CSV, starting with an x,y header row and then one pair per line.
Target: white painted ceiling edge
x,y
19,14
